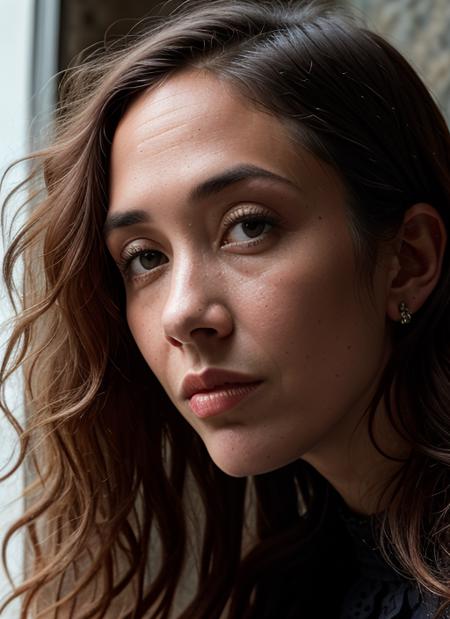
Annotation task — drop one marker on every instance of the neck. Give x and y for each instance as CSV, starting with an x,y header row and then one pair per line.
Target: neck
x,y
353,465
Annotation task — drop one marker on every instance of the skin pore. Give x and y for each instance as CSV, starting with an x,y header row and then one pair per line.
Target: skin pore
x,y
236,253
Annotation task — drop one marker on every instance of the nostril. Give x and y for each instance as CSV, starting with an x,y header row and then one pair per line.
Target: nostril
x,y
182,325
206,330
174,342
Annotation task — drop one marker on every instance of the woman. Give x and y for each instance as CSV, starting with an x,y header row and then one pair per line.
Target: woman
x,y
237,290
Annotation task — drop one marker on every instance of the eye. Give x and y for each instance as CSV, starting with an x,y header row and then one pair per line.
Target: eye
x,y
138,261
251,228
248,227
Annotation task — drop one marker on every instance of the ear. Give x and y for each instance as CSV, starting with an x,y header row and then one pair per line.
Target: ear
x,y
420,246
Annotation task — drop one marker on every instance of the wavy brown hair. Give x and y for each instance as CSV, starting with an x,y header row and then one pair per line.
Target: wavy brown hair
x,y
121,486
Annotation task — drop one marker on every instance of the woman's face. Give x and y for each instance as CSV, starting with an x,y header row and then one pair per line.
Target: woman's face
x,y
237,255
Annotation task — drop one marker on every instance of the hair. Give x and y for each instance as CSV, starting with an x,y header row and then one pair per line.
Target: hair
x,y
120,484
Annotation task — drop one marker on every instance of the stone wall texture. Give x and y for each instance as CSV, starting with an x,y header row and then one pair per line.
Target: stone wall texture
x,y
420,29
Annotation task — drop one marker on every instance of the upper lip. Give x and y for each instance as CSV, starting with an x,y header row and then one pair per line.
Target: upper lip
x,y
210,379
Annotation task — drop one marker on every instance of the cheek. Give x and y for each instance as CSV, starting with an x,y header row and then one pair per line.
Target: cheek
x,y
314,325
144,326
304,296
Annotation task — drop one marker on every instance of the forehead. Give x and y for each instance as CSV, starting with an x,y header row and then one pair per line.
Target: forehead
x,y
190,127
197,100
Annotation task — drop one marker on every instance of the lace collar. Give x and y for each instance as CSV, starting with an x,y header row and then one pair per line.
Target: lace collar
x,y
380,591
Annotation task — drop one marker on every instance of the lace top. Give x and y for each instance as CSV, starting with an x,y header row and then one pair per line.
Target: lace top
x,y
379,592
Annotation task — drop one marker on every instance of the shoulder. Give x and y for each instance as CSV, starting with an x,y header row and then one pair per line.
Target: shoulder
x,y
382,598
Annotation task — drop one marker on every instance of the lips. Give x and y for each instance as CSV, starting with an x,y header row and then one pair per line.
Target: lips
x,y
212,379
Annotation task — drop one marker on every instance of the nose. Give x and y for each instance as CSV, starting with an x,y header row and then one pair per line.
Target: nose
x,y
196,308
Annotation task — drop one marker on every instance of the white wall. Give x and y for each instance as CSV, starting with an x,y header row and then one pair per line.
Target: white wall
x,y
16,37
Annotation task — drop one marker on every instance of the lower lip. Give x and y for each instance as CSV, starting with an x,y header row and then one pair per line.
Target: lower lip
x,y
211,403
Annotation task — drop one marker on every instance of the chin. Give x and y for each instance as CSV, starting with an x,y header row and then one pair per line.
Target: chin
x,y
236,463
245,450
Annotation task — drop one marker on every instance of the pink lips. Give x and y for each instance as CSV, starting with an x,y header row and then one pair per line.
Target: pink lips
x,y
216,391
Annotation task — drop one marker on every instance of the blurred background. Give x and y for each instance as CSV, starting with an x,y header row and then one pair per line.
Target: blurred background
x,y
39,38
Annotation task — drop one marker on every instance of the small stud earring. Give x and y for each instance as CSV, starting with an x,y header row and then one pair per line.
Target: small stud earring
x,y
405,314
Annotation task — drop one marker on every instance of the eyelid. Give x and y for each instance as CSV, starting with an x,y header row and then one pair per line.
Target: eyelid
x,y
131,250
246,211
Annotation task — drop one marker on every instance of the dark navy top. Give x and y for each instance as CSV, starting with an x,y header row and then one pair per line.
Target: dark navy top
x,y
338,573
379,592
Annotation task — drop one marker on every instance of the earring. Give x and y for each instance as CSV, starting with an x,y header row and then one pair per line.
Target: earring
x,y
405,314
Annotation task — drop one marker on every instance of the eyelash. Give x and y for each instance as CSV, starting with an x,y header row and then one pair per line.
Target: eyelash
x,y
242,215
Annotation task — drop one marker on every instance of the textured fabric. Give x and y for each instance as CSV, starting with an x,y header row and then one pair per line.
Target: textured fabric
x,y
379,592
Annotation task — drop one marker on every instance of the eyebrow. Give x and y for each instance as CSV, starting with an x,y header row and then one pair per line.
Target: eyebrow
x,y
209,187
122,220
239,173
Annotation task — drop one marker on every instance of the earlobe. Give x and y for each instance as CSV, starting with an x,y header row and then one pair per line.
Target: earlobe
x,y
421,245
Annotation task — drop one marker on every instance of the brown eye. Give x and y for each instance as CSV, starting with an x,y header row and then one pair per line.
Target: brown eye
x,y
253,227
248,229
142,261
149,259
